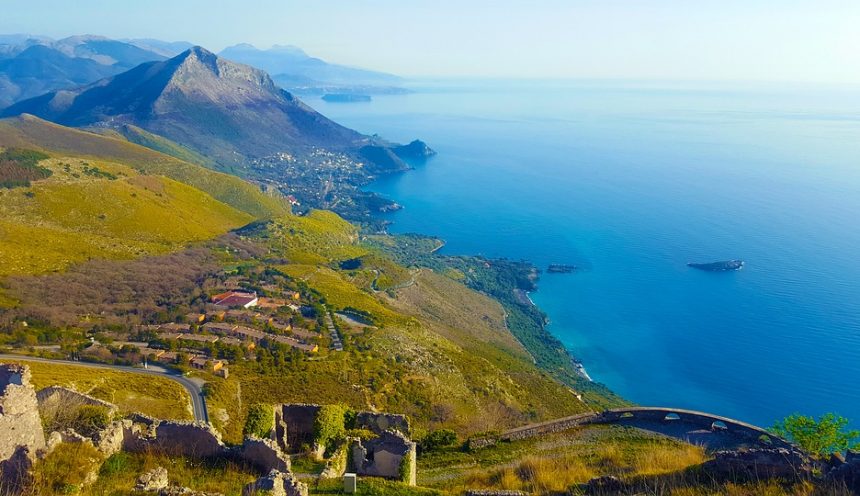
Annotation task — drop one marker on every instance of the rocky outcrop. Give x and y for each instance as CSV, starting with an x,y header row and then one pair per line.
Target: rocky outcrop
x,y
276,484
606,484
154,480
845,472
265,455
757,464
21,434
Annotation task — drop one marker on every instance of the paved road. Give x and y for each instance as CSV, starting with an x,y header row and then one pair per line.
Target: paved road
x,y
198,402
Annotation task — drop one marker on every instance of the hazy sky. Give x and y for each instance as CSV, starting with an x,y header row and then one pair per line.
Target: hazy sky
x,y
787,40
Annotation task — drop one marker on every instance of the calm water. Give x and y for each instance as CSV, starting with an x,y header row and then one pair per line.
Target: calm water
x,y
634,181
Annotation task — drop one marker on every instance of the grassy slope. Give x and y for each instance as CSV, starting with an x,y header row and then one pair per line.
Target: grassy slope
x,y
74,216
31,132
441,352
161,144
154,396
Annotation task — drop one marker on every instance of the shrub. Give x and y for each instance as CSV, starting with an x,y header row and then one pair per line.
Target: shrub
x,y
260,421
90,419
330,424
434,440
828,434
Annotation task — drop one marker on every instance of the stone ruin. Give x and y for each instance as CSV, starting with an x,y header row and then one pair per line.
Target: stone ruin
x,y
21,435
391,455
22,438
276,484
294,424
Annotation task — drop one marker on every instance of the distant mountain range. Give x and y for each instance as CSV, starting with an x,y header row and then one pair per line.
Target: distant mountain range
x,y
295,70
31,65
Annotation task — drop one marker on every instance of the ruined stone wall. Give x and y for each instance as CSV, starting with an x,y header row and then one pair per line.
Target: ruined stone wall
x,y
294,425
21,432
53,398
392,455
381,422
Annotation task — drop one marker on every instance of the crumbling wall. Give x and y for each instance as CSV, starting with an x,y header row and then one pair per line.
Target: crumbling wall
x,y
53,398
381,422
265,455
21,434
391,455
294,425
176,438
276,484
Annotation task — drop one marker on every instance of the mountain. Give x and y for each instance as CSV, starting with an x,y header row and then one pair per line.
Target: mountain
x,y
120,55
165,48
291,64
31,66
39,69
227,111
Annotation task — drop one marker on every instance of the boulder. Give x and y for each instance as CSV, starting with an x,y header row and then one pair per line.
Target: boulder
x,y
154,480
756,464
605,484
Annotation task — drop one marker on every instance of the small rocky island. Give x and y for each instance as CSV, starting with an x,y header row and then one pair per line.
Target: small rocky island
x,y
718,266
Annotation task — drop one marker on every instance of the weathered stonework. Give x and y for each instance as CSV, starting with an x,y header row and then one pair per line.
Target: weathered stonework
x,y
265,455
392,455
21,434
381,422
276,484
195,440
154,480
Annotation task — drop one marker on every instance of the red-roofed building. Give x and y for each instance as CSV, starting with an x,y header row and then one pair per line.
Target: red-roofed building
x,y
232,299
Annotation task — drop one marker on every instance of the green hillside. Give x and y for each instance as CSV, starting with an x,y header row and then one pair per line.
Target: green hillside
x,y
95,209
31,132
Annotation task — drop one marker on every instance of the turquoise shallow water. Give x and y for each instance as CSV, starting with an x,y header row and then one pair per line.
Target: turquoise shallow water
x,y
631,182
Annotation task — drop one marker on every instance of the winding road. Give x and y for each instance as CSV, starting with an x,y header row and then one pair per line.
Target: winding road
x,y
198,402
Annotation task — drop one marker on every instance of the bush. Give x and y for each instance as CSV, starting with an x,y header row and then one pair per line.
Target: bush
x,y
90,419
434,440
828,434
330,424
260,421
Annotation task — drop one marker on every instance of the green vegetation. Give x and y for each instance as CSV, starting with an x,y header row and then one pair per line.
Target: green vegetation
x,y
86,420
372,487
82,212
31,132
822,436
155,396
66,470
260,421
437,439
330,424
18,167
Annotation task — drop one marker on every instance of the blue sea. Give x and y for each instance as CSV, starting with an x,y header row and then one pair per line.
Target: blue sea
x,y
632,180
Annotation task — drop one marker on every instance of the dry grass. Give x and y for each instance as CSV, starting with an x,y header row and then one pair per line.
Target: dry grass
x,y
156,396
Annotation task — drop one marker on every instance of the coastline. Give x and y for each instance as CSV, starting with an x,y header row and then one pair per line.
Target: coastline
x,y
577,364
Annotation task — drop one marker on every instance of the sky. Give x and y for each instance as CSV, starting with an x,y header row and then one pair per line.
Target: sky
x,y
726,40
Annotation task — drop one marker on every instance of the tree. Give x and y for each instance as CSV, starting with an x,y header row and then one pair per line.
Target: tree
x,y
828,434
330,424
260,421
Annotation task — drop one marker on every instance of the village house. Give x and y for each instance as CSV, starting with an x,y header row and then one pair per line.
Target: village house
x,y
213,365
218,327
232,299
195,318
199,338
174,327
